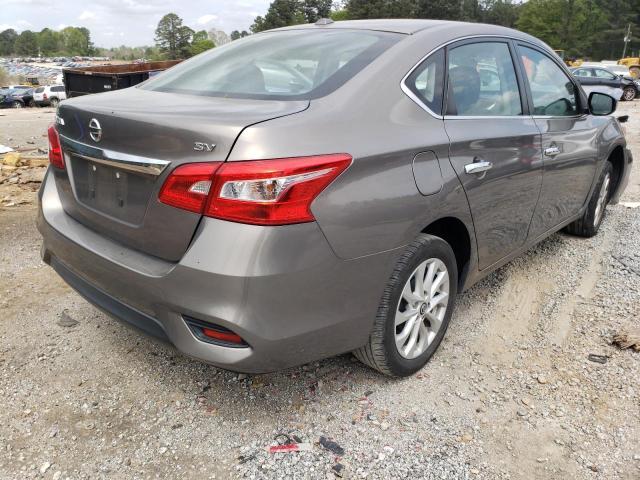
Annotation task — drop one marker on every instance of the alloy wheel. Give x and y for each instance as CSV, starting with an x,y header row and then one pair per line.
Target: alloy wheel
x,y
629,94
422,308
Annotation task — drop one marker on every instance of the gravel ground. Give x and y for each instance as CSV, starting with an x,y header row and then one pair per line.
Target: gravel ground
x,y
510,394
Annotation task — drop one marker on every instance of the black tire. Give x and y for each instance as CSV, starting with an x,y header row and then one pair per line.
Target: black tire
x,y
54,102
589,223
629,93
17,104
32,103
381,352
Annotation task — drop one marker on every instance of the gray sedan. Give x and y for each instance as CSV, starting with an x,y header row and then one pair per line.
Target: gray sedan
x,y
322,189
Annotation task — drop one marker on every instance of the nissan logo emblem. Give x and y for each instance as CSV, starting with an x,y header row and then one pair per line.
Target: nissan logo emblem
x,y
95,131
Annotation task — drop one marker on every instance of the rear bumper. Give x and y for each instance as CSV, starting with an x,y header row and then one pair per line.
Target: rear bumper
x,y
282,289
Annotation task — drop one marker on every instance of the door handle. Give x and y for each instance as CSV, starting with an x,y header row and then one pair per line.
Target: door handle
x,y
551,151
477,167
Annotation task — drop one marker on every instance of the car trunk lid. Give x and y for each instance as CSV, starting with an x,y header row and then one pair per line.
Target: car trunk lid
x,y
119,148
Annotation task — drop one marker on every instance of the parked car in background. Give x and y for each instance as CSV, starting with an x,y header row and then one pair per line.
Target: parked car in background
x,y
49,95
259,224
590,76
17,98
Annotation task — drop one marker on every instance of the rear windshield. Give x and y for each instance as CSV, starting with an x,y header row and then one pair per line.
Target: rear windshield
x,y
286,65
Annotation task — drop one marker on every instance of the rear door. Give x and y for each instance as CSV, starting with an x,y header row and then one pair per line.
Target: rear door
x,y
568,138
494,143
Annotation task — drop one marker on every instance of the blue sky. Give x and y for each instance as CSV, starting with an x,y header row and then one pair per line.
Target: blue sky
x,y
128,22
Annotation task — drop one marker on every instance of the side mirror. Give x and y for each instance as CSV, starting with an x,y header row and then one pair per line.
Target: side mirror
x,y
601,103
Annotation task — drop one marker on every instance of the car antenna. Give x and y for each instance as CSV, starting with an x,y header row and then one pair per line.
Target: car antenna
x,y
324,21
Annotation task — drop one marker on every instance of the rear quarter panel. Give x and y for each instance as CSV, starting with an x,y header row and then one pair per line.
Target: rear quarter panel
x,y
375,205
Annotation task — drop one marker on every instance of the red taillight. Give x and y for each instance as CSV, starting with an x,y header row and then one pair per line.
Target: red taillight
x,y
55,150
188,186
229,337
259,192
44,96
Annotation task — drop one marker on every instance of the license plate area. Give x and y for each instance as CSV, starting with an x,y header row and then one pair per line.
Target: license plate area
x,y
111,191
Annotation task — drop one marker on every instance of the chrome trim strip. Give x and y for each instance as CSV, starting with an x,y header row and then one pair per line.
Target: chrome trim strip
x,y
486,117
123,161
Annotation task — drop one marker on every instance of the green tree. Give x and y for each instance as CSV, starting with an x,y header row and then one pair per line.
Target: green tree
x,y
360,9
339,15
199,36
49,41
201,42
281,13
313,10
500,12
76,41
570,25
7,42
26,43
608,43
235,35
173,38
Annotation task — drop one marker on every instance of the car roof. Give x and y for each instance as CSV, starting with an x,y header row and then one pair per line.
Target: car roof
x,y
401,25
438,30
407,26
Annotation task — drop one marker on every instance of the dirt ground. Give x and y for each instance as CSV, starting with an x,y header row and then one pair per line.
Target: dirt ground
x,y
511,393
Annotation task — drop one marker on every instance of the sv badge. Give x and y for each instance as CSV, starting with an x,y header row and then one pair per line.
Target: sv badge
x,y
203,147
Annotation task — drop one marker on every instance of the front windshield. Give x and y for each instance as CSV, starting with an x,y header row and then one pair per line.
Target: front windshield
x,y
291,64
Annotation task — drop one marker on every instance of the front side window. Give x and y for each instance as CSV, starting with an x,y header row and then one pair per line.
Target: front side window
x,y
426,82
600,73
288,65
552,91
482,81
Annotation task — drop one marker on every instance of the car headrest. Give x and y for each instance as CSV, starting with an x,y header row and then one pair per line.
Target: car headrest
x,y
465,87
248,78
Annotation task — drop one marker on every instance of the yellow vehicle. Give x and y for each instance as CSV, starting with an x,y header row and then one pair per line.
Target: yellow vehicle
x,y
568,62
633,63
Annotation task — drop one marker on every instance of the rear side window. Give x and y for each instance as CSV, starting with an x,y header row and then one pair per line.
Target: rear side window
x,y
552,91
293,64
583,72
57,89
39,90
427,82
482,81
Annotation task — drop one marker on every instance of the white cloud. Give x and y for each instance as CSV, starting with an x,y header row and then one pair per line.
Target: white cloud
x,y
136,18
87,15
204,19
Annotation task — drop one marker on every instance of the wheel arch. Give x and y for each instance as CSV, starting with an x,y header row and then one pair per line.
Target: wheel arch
x,y
454,231
617,159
